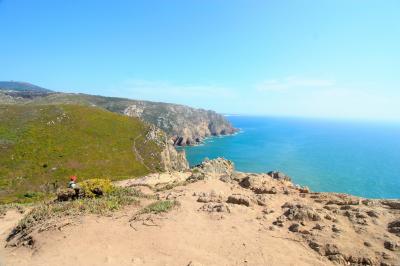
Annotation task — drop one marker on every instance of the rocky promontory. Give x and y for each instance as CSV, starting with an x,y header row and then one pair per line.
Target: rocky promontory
x,y
186,125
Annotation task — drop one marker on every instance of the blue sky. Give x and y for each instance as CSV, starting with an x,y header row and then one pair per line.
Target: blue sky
x,y
299,58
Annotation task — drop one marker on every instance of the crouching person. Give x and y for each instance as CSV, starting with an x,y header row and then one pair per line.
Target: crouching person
x,y
70,193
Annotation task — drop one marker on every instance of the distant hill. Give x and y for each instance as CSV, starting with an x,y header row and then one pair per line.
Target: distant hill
x,y
21,86
21,90
41,145
185,125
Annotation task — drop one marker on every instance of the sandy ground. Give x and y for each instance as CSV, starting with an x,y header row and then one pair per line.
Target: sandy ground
x,y
185,236
264,221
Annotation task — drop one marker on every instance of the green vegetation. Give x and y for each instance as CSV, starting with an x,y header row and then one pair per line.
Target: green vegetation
x,y
42,145
104,205
91,187
159,206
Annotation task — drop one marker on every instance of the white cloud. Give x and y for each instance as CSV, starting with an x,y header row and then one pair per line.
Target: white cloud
x,y
294,82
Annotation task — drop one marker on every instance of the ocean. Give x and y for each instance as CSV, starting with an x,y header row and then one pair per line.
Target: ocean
x,y
359,158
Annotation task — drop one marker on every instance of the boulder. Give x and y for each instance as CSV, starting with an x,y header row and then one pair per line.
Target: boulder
x,y
279,176
391,245
393,204
300,212
251,181
257,185
219,166
343,199
66,194
215,207
294,227
209,197
304,190
394,227
373,214
239,199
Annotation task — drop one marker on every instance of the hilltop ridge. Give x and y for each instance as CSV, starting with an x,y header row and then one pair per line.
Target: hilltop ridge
x,y
185,125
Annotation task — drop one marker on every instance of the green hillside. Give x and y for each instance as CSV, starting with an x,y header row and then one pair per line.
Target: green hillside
x,y
183,124
40,146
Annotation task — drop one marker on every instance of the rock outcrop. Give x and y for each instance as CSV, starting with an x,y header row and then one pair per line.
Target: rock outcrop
x,y
172,159
185,125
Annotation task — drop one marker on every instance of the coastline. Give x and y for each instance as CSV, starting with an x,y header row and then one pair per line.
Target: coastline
x,y
325,157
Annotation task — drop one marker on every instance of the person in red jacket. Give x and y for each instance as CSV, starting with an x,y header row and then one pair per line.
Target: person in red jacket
x,y
72,182
73,185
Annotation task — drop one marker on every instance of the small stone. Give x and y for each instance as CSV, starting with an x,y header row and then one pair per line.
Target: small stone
x,y
271,228
318,227
367,244
315,246
386,256
391,245
373,213
335,229
294,227
304,190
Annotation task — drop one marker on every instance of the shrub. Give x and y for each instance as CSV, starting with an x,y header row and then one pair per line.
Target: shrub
x,y
96,187
160,206
115,199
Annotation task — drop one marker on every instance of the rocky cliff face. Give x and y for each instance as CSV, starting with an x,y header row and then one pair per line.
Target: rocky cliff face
x,y
185,125
170,158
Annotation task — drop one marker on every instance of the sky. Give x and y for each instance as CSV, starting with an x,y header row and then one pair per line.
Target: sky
x,y
335,59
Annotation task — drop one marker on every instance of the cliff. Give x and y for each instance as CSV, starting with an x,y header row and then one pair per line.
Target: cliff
x,y
186,125
183,124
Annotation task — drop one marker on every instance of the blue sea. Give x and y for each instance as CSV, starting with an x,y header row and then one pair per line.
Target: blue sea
x,y
360,158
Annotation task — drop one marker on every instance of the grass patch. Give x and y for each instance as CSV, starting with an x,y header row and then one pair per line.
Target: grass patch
x,y
160,206
41,145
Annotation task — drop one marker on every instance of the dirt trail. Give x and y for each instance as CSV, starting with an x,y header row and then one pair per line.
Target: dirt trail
x,y
137,154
